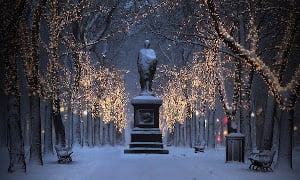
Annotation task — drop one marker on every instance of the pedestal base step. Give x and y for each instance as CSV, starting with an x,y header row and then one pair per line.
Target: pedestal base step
x,y
146,145
141,150
146,135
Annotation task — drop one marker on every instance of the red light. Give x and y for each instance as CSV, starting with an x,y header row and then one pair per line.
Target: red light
x,y
219,139
225,120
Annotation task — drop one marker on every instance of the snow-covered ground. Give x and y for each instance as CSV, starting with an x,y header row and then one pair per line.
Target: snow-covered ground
x,y
111,163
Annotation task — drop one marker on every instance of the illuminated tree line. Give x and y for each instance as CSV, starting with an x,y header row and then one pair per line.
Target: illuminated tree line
x,y
101,97
190,89
228,47
285,95
62,31
53,80
244,32
202,73
83,92
10,47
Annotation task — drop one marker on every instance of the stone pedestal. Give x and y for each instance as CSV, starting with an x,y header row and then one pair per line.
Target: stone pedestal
x,y
146,136
235,147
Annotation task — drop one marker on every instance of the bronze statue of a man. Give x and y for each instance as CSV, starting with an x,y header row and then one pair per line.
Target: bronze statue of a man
x,y
146,66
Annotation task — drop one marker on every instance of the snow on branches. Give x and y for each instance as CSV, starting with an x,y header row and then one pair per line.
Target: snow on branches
x,y
284,95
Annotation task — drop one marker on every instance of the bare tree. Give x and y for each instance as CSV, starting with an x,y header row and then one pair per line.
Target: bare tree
x,y
286,96
11,11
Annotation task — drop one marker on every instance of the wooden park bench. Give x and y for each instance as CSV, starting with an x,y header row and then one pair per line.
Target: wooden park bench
x,y
199,148
261,161
63,154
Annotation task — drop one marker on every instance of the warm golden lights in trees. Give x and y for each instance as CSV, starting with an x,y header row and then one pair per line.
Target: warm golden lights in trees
x,y
189,89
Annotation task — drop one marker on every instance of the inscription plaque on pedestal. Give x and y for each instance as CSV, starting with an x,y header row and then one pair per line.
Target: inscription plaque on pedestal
x,y
146,117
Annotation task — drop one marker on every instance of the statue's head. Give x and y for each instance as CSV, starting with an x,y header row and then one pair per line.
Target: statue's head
x,y
147,43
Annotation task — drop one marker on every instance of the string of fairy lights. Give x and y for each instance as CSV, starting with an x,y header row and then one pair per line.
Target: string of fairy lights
x,y
280,92
189,88
99,91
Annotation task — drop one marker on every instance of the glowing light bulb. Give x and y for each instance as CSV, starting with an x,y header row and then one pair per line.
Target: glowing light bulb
x,y
85,112
219,138
252,114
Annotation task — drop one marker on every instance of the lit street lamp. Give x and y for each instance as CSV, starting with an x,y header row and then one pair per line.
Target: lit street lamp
x,y
85,112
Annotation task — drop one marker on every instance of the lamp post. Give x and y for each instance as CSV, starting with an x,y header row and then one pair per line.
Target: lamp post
x,y
253,132
218,131
197,129
83,126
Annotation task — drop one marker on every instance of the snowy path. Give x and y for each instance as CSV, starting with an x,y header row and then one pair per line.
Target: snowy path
x,y
111,163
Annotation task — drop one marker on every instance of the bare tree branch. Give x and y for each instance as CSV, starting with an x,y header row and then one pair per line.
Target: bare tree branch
x,y
256,61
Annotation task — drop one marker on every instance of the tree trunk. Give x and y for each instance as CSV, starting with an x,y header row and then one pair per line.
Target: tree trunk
x,y
176,134
68,124
12,41
193,130
285,141
170,138
111,133
211,130
97,130
3,123
245,99
34,86
24,105
75,121
206,130
120,138
77,127
188,141
86,130
184,125
48,144
181,135
105,134
58,125
101,130
16,144
36,143
202,131
89,130
115,134
82,132
71,127
268,123
197,131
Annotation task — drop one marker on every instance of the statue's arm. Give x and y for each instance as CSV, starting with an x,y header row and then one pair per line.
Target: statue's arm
x,y
139,62
153,68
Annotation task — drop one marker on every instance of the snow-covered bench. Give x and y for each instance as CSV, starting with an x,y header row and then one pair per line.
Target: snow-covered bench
x,y
261,161
199,148
63,154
